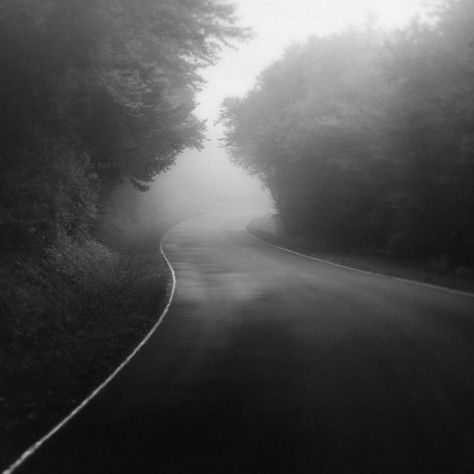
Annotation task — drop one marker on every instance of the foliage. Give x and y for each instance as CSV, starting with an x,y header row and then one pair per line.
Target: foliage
x,y
366,140
69,317
105,85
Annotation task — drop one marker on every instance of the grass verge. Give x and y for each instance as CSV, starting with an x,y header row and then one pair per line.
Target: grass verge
x,y
70,316
434,272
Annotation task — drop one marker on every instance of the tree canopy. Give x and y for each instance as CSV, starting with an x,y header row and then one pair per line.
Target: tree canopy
x,y
365,139
95,91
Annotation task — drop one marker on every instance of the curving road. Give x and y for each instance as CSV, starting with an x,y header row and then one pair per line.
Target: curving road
x,y
272,363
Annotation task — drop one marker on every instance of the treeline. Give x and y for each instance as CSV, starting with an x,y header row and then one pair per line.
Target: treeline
x,y
93,92
366,139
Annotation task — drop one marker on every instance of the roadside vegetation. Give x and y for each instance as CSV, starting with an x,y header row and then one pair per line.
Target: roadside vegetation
x,y
434,272
93,94
366,140
70,317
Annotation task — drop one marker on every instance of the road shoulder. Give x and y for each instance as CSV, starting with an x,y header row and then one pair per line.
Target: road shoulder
x,y
267,230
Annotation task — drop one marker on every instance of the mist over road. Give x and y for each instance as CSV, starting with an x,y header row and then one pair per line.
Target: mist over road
x,y
272,363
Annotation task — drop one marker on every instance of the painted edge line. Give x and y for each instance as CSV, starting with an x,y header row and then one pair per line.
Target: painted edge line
x,y
358,270
37,445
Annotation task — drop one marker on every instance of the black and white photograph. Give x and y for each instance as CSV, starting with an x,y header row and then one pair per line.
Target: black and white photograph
x,y
237,236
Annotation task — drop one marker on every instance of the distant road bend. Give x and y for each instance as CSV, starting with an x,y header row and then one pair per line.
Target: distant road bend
x,y
272,363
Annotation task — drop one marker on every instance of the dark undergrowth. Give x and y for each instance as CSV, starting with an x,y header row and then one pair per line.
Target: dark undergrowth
x,y
435,271
69,318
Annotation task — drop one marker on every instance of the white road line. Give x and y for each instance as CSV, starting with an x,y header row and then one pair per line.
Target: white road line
x,y
37,445
358,270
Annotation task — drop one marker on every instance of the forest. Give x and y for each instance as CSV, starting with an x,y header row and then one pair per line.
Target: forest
x,y
366,138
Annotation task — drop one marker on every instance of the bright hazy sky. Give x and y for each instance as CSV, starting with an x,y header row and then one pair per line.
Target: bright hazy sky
x,y
276,24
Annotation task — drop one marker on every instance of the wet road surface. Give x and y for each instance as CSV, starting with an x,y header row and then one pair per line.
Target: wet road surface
x,y
271,363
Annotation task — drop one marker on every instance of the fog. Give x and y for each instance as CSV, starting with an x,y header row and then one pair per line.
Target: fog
x,y
202,181
206,181
297,324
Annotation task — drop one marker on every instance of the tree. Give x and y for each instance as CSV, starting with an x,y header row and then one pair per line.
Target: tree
x,y
307,129
366,140
111,81
429,133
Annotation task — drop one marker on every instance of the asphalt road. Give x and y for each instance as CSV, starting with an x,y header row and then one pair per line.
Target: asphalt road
x,y
272,363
